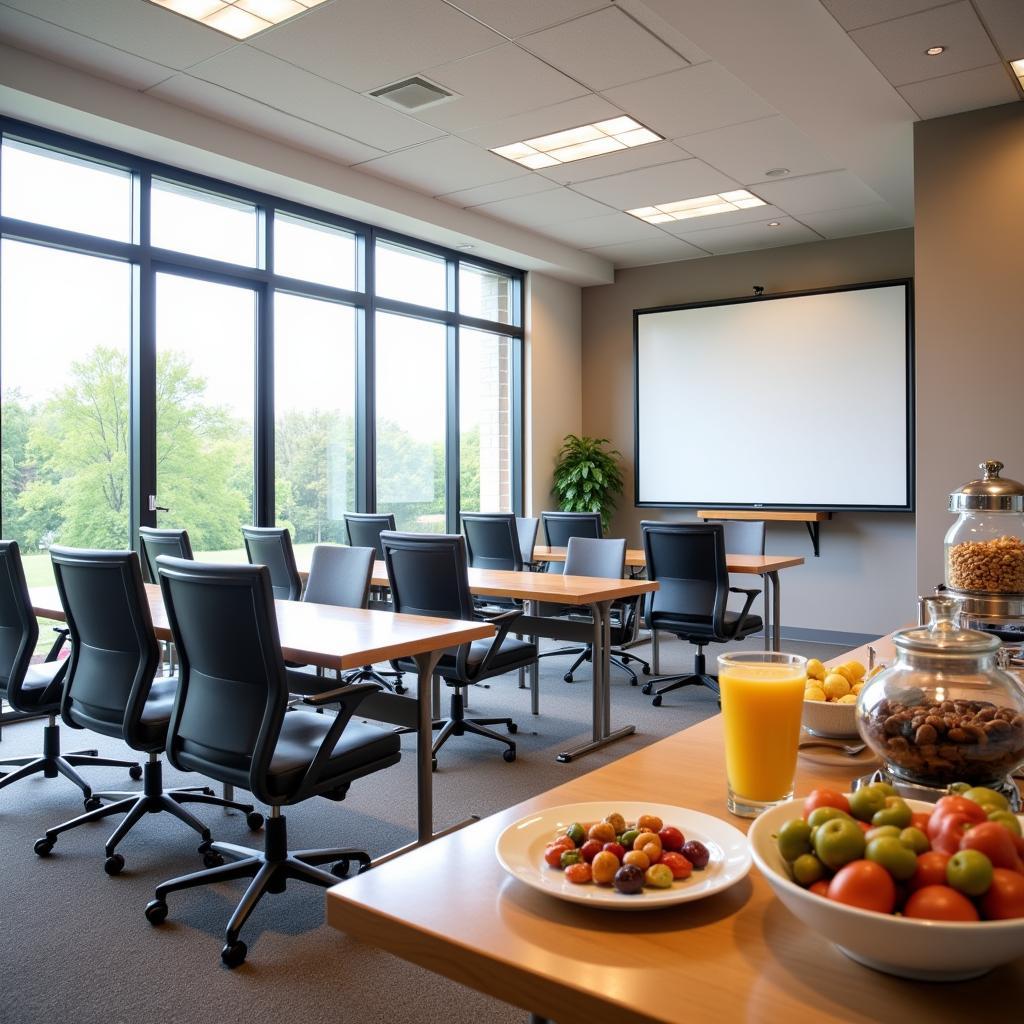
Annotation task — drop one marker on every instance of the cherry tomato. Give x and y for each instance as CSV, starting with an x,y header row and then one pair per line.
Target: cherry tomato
x,y
825,798
578,874
553,854
864,884
617,848
995,841
590,849
931,870
1005,897
940,903
677,864
671,838
919,819
820,888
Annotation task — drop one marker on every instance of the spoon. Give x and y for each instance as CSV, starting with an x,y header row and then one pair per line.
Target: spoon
x,y
849,749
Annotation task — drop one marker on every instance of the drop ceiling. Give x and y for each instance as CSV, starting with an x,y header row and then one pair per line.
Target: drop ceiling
x,y
809,104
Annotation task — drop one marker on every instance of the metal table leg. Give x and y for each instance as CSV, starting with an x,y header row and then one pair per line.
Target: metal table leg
x,y
655,654
767,618
533,609
776,611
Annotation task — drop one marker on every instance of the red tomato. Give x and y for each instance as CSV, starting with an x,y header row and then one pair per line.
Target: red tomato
x,y
825,798
820,887
865,826
617,848
1005,897
940,903
995,841
553,853
590,849
677,864
671,838
919,819
864,884
931,870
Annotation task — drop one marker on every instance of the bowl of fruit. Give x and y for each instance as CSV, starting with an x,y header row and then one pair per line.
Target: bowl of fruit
x,y
830,697
933,892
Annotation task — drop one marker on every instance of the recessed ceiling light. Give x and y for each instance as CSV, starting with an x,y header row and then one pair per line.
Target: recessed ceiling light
x,y
1018,69
776,172
238,18
702,206
578,143
774,224
934,51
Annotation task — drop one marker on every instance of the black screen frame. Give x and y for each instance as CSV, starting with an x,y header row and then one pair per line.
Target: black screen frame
x,y
908,285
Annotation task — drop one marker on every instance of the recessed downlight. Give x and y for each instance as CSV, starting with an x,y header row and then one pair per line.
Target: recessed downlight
x,y
934,51
701,206
774,224
776,172
578,143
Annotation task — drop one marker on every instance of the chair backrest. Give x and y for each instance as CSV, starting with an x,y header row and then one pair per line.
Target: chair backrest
x,y
340,575
492,540
232,690
688,562
162,542
587,556
272,546
114,653
560,526
364,528
19,631
743,536
428,573
527,529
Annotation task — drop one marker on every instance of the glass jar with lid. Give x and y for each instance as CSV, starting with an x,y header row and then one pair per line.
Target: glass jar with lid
x,y
985,546
943,712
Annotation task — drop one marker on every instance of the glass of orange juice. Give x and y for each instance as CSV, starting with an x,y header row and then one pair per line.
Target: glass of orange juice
x,y
762,704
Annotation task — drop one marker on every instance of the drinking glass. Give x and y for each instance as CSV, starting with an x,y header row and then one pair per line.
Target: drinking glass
x,y
762,704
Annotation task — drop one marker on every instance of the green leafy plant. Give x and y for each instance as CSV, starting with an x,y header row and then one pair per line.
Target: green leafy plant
x,y
587,476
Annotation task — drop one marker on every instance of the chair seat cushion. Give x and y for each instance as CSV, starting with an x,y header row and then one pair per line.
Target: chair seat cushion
x,y
512,654
33,687
156,714
701,626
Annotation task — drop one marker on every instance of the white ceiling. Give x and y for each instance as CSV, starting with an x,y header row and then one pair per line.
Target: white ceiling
x,y
828,89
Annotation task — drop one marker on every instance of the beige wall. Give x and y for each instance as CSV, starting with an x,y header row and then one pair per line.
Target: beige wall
x,y
865,579
970,309
553,375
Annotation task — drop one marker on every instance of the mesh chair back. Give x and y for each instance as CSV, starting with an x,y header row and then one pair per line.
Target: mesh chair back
x,y
743,537
114,653
19,631
232,691
272,546
364,528
688,561
428,574
340,575
162,542
492,540
586,556
527,529
560,526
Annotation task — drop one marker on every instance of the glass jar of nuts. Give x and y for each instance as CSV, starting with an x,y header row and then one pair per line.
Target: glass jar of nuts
x,y
985,546
943,712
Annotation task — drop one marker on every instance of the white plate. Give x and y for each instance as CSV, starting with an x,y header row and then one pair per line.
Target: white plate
x,y
520,851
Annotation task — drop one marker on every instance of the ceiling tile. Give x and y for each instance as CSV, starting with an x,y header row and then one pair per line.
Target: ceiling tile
x,y
542,209
1005,20
524,186
684,179
746,237
543,121
444,165
667,33
746,151
606,230
645,254
695,99
139,28
855,220
495,85
603,49
615,163
75,50
968,90
516,19
212,100
858,13
831,191
287,88
364,45
723,220
897,48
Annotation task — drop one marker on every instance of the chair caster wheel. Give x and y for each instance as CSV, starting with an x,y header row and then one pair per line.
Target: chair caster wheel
x,y
44,847
212,859
340,868
93,803
512,728
646,669
433,764
254,820
567,677
509,755
113,864
400,689
646,689
135,772
233,954
657,700
156,912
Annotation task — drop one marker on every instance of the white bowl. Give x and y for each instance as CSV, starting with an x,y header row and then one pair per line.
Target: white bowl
x,y
909,948
830,719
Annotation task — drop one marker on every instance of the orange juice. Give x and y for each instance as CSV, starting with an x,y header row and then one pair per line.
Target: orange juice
x,y
762,704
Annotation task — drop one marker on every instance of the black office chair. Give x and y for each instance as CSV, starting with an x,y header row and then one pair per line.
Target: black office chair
x,y
36,689
492,540
229,724
526,527
272,546
364,528
560,526
429,576
111,689
688,562
162,542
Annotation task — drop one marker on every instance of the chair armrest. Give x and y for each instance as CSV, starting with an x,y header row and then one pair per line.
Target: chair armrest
x,y
503,620
341,693
743,590
751,594
62,634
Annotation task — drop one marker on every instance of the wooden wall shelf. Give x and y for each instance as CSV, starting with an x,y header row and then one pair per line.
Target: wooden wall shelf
x,y
811,519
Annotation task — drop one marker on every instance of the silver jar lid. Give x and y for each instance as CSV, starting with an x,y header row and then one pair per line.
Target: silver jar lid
x,y
992,493
943,633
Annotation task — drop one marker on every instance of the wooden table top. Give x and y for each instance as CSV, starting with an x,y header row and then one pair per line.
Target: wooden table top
x,y
736,956
321,634
734,563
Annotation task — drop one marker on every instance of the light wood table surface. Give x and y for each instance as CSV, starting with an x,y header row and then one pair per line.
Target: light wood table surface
x,y
345,638
739,956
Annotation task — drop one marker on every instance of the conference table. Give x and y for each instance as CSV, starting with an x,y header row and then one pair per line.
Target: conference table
x,y
345,638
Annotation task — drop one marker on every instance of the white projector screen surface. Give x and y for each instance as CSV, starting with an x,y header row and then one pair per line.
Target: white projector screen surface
x,y
799,401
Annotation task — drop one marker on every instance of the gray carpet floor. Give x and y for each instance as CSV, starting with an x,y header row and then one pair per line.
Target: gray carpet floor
x,y
76,946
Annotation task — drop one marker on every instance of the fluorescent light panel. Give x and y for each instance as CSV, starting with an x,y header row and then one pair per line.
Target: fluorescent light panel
x,y
578,143
1018,69
238,18
702,206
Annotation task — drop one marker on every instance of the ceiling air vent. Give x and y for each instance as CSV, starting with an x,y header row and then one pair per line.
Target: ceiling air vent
x,y
412,94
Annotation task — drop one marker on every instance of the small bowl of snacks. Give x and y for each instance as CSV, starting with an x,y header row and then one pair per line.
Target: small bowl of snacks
x,y
933,892
636,856
830,698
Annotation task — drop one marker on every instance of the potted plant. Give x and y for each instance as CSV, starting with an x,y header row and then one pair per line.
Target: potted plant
x,y
587,476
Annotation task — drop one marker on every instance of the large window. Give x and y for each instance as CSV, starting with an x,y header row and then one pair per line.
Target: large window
x,y
184,352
